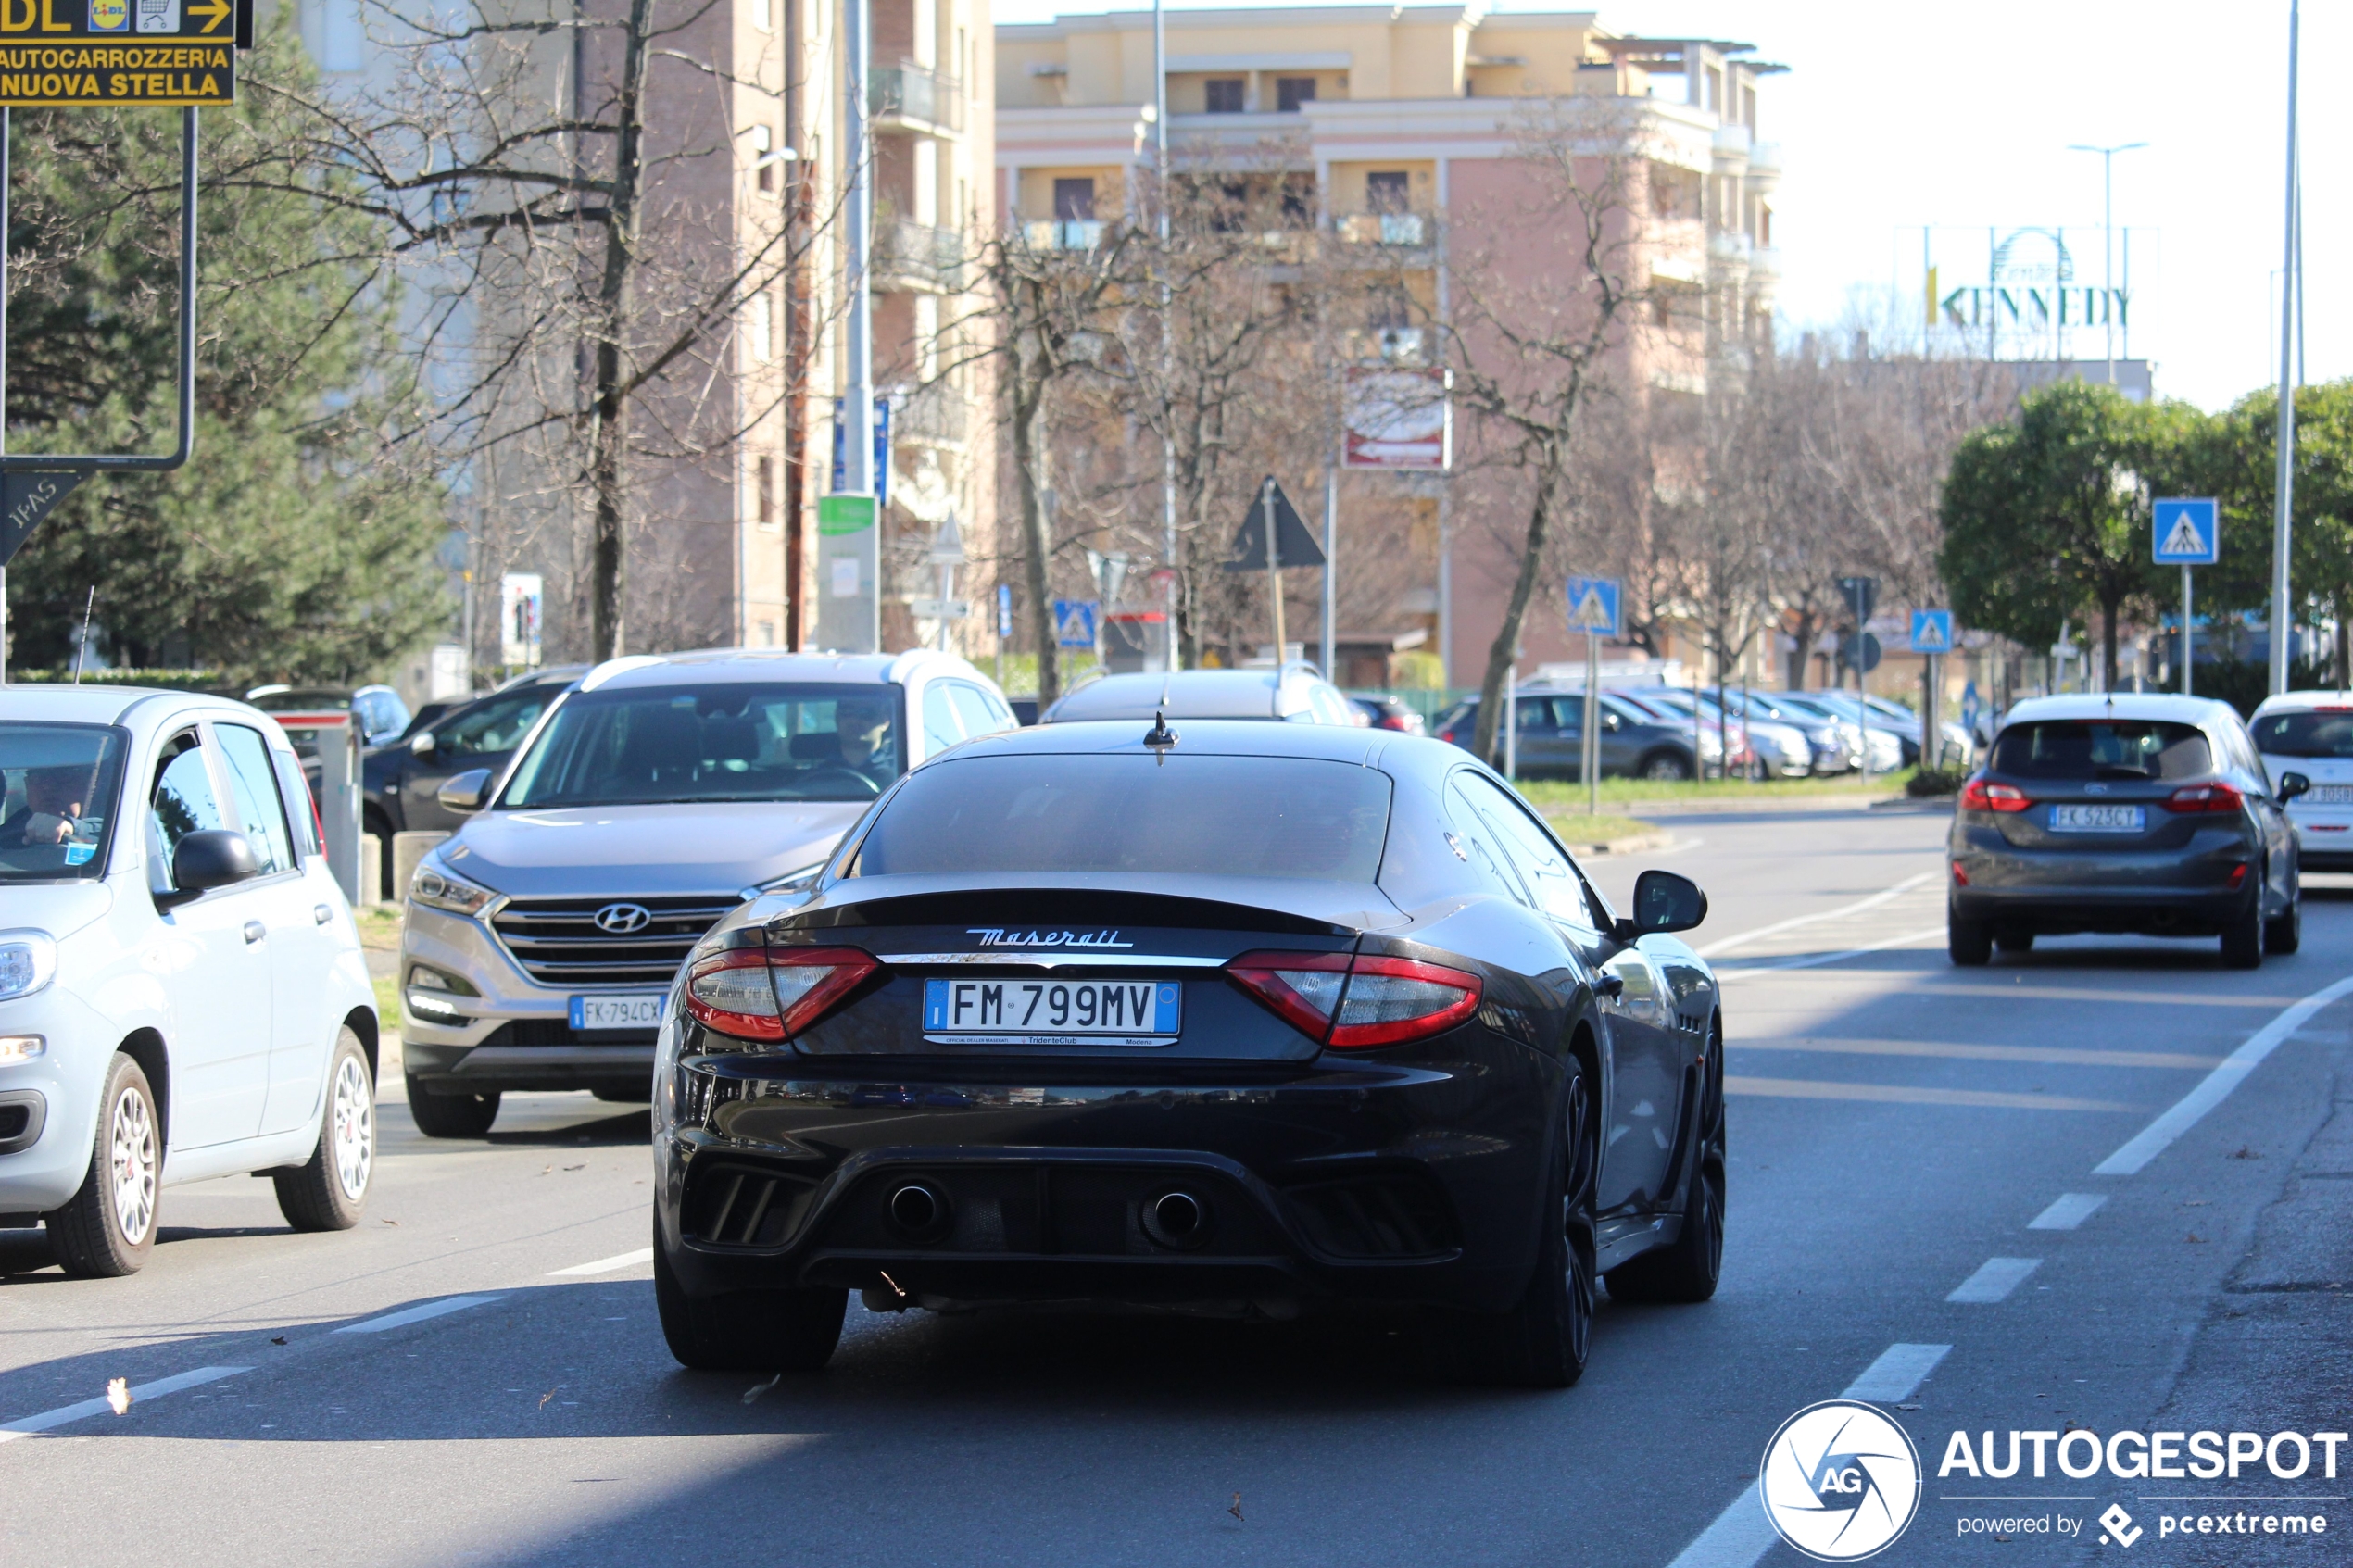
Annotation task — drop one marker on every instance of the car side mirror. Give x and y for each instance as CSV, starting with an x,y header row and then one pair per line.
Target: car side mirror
x,y
423,744
1663,901
466,793
2292,785
205,859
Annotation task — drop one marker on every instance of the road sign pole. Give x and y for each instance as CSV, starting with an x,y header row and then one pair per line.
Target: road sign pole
x,y
1588,760
1274,571
2188,647
1331,554
1511,723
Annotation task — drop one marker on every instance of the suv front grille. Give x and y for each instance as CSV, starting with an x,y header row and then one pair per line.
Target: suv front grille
x,y
558,942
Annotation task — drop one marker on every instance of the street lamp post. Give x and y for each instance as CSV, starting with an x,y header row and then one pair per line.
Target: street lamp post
x,y
2108,243
2284,500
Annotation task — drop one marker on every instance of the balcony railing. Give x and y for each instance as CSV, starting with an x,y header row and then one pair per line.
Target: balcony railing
x,y
1063,234
932,416
918,93
1402,231
918,255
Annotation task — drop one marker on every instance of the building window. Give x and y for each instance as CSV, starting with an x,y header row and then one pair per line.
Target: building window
x,y
1075,200
767,635
1385,191
764,157
1223,94
763,491
760,328
1292,91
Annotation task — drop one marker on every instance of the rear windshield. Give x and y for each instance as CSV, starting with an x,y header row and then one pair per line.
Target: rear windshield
x,y
2107,748
62,782
645,745
2325,733
1233,816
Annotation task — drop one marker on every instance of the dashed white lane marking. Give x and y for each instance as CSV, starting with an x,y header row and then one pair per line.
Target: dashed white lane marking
x,y
1741,1534
606,1265
1994,1280
87,1407
1876,899
2154,1138
1906,1094
2071,1210
1811,960
418,1314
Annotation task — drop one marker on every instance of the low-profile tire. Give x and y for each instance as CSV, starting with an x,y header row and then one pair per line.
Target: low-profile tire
x,y
625,1094
107,1228
1687,1269
327,1192
2284,933
2243,938
1662,767
1970,943
465,1115
749,1331
2010,940
1543,1340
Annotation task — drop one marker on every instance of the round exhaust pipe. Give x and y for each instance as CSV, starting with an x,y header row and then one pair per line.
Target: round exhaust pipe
x,y
918,1209
1176,1219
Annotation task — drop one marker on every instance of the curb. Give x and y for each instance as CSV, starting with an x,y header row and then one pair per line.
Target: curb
x,y
1632,845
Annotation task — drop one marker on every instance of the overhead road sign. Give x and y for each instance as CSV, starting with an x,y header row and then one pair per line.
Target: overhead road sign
x,y
1074,623
74,54
1593,606
1931,631
1294,545
2186,532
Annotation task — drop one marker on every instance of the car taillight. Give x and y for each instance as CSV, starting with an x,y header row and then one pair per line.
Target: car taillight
x,y
1978,796
1961,876
2205,798
1354,1004
772,993
1391,721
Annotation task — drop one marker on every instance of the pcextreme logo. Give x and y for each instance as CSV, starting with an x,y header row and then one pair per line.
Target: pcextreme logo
x,y
1840,1481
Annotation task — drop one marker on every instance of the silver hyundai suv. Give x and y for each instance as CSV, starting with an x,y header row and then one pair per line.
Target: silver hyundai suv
x,y
649,801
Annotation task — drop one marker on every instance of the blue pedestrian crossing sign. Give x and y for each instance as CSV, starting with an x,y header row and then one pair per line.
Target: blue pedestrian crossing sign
x,y
2187,532
1931,631
1592,605
1074,623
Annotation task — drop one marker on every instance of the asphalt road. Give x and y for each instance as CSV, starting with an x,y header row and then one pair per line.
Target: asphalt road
x,y
1897,1129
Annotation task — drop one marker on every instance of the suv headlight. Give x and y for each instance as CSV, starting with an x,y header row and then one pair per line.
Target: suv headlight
x,y
436,887
27,962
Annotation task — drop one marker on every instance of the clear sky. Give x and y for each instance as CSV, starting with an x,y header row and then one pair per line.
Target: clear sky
x,y
1894,116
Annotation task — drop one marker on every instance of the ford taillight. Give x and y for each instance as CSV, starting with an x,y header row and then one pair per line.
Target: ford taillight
x,y
1978,796
1356,1003
2217,796
772,993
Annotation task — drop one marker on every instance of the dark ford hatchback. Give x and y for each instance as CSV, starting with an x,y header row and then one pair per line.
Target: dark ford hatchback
x,y
1246,1020
2141,813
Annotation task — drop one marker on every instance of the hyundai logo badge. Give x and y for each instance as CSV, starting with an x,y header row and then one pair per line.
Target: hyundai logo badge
x,y
623,920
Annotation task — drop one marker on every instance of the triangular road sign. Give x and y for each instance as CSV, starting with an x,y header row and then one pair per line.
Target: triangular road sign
x,y
2184,540
1295,545
25,499
1589,614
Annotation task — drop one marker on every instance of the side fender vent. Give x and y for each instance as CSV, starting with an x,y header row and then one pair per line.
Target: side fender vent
x,y
1387,1217
744,1206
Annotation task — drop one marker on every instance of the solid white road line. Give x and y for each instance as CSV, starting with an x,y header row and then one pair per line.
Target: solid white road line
x,y
1874,901
88,1408
1811,960
606,1265
1994,1281
2159,1135
418,1314
1741,1534
2071,1210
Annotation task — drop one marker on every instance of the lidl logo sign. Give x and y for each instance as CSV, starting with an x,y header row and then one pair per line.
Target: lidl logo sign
x,y
109,16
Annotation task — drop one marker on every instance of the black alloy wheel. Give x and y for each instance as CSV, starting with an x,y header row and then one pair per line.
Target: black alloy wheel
x,y
1543,1340
2242,937
780,1331
1688,1268
1664,766
2284,933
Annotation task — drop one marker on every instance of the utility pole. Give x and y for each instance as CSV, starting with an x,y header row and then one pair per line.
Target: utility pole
x,y
2107,242
858,394
2283,508
1167,355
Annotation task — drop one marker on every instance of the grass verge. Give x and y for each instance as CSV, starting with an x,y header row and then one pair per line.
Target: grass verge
x,y
1579,830
1617,795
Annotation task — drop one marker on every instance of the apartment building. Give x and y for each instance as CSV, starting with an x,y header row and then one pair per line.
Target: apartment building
x,y
745,143
1406,122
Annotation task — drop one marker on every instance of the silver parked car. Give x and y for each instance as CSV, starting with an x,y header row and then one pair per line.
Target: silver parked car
x,y
2124,813
646,803
1295,695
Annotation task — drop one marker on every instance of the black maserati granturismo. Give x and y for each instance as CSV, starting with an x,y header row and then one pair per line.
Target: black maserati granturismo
x,y
1241,1018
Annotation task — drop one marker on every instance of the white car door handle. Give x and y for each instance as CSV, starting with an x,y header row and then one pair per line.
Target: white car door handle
x,y
321,914
255,932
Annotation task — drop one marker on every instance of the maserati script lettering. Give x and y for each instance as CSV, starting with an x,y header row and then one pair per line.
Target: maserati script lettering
x,y
998,936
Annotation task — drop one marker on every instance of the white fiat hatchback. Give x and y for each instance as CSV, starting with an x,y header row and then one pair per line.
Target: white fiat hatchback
x,y
183,993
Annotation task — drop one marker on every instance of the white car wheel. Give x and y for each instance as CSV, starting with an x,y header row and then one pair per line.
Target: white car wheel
x,y
132,1164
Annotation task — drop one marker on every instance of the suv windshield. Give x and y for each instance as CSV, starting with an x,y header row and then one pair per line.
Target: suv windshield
x,y
1249,816
2328,733
62,781
652,744
2107,748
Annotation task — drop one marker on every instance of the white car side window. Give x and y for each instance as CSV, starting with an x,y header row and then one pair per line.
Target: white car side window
x,y
183,802
940,729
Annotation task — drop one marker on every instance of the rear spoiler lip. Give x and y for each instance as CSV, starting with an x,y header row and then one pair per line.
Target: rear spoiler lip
x,y
1347,907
